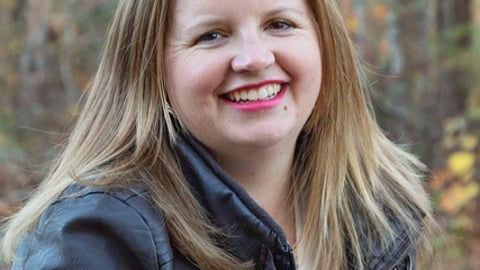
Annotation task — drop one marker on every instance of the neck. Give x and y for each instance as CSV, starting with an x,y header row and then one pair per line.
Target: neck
x,y
265,175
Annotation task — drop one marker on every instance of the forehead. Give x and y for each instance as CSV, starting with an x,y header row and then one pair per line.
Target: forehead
x,y
187,9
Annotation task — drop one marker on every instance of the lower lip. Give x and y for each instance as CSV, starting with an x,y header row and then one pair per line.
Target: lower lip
x,y
259,105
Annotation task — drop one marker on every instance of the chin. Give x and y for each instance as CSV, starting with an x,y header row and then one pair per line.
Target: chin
x,y
261,140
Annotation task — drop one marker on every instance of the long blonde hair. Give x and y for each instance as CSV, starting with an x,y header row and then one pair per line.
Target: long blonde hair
x,y
345,168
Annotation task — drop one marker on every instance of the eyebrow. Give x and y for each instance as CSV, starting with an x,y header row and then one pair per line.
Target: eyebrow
x,y
283,9
212,19
202,21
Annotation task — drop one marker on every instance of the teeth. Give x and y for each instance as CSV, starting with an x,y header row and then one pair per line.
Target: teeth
x,y
270,90
262,93
252,95
237,96
244,95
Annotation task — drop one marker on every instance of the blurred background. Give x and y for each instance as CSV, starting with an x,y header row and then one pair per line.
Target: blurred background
x,y
422,59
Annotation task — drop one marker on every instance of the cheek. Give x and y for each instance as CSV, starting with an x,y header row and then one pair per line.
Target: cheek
x,y
191,87
195,76
182,82
178,91
309,72
308,69
302,59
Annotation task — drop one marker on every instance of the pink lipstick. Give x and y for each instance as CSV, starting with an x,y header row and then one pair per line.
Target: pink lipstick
x,y
257,97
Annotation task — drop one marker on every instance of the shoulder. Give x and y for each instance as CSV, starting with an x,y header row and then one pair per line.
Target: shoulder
x,y
400,254
400,251
107,226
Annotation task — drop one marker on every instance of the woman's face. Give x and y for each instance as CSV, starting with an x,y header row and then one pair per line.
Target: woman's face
x,y
243,73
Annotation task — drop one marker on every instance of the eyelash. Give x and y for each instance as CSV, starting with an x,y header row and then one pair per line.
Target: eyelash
x,y
283,23
209,37
214,35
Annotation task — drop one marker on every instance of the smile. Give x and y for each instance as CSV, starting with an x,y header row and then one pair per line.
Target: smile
x,y
265,92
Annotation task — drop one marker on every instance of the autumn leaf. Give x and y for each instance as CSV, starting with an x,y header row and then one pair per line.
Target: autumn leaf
x,y
380,11
458,196
468,142
440,179
352,24
462,164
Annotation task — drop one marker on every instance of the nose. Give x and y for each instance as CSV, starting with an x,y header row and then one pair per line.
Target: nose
x,y
252,56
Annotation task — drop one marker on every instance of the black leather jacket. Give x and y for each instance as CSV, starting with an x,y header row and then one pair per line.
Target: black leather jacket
x,y
119,229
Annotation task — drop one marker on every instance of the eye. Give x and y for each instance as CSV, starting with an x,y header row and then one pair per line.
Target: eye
x,y
209,37
279,25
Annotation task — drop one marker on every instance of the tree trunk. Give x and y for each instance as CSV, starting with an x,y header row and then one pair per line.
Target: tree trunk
x,y
406,80
40,99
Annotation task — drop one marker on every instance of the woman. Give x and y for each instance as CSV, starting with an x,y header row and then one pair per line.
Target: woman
x,y
225,136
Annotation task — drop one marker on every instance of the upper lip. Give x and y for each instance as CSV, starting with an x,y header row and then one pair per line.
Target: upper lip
x,y
254,85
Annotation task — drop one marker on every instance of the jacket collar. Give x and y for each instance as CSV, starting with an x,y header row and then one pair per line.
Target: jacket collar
x,y
252,233
249,228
